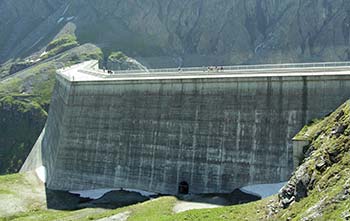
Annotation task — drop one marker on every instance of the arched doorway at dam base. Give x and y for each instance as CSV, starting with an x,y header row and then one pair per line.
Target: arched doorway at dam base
x,y
183,187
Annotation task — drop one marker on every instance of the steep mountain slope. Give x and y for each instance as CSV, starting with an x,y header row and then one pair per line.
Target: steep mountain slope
x,y
25,98
320,187
196,32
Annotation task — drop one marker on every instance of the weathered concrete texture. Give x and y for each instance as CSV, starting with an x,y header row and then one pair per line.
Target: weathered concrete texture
x,y
215,134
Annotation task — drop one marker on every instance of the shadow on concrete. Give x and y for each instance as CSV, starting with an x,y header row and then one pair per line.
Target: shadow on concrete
x,y
63,200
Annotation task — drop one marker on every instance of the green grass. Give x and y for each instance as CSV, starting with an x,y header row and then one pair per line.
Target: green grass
x,y
5,68
251,211
21,103
156,210
22,120
6,192
326,192
8,180
71,59
309,130
13,84
38,215
328,188
160,209
117,56
24,104
60,45
63,40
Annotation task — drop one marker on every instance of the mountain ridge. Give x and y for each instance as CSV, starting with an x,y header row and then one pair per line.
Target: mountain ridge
x,y
189,33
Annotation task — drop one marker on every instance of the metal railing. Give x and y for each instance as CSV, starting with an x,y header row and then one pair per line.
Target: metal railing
x,y
244,67
220,69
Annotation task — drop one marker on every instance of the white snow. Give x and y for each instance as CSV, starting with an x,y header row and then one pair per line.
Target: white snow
x,y
93,194
98,193
41,173
143,193
60,20
263,190
44,53
32,60
70,18
258,47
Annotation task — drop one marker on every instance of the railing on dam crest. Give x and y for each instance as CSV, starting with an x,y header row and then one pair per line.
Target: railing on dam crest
x,y
273,68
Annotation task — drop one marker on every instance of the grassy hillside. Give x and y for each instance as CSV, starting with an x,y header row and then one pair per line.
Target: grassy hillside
x,y
23,197
59,45
320,187
21,121
25,98
20,192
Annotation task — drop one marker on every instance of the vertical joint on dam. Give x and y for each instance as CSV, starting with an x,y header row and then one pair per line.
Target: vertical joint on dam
x,y
304,100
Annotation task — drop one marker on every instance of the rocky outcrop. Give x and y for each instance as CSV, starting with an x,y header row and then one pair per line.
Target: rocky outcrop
x,y
20,122
173,33
24,99
326,162
19,66
119,61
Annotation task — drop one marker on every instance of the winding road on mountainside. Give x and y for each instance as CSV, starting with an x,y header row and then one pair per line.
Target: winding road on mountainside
x,y
4,79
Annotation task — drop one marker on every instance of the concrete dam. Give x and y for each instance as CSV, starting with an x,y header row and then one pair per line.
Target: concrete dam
x,y
167,130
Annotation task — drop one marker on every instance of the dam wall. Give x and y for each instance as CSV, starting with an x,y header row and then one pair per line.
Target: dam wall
x,y
215,134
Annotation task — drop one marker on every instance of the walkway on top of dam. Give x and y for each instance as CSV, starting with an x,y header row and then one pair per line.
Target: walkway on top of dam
x,y
89,71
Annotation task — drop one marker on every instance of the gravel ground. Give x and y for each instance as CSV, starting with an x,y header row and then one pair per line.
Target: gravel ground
x,y
183,206
22,194
119,217
207,201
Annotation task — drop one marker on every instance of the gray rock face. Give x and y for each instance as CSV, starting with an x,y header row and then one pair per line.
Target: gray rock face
x,y
321,171
123,62
127,64
19,66
198,32
216,134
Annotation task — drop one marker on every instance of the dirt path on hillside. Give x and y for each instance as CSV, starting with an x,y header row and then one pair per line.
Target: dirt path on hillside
x,y
21,193
118,217
183,206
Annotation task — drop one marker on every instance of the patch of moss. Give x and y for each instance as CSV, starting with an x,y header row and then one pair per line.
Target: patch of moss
x,y
63,40
6,192
12,85
117,56
23,119
37,215
5,68
24,104
60,45
71,59
11,179
251,211
330,145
